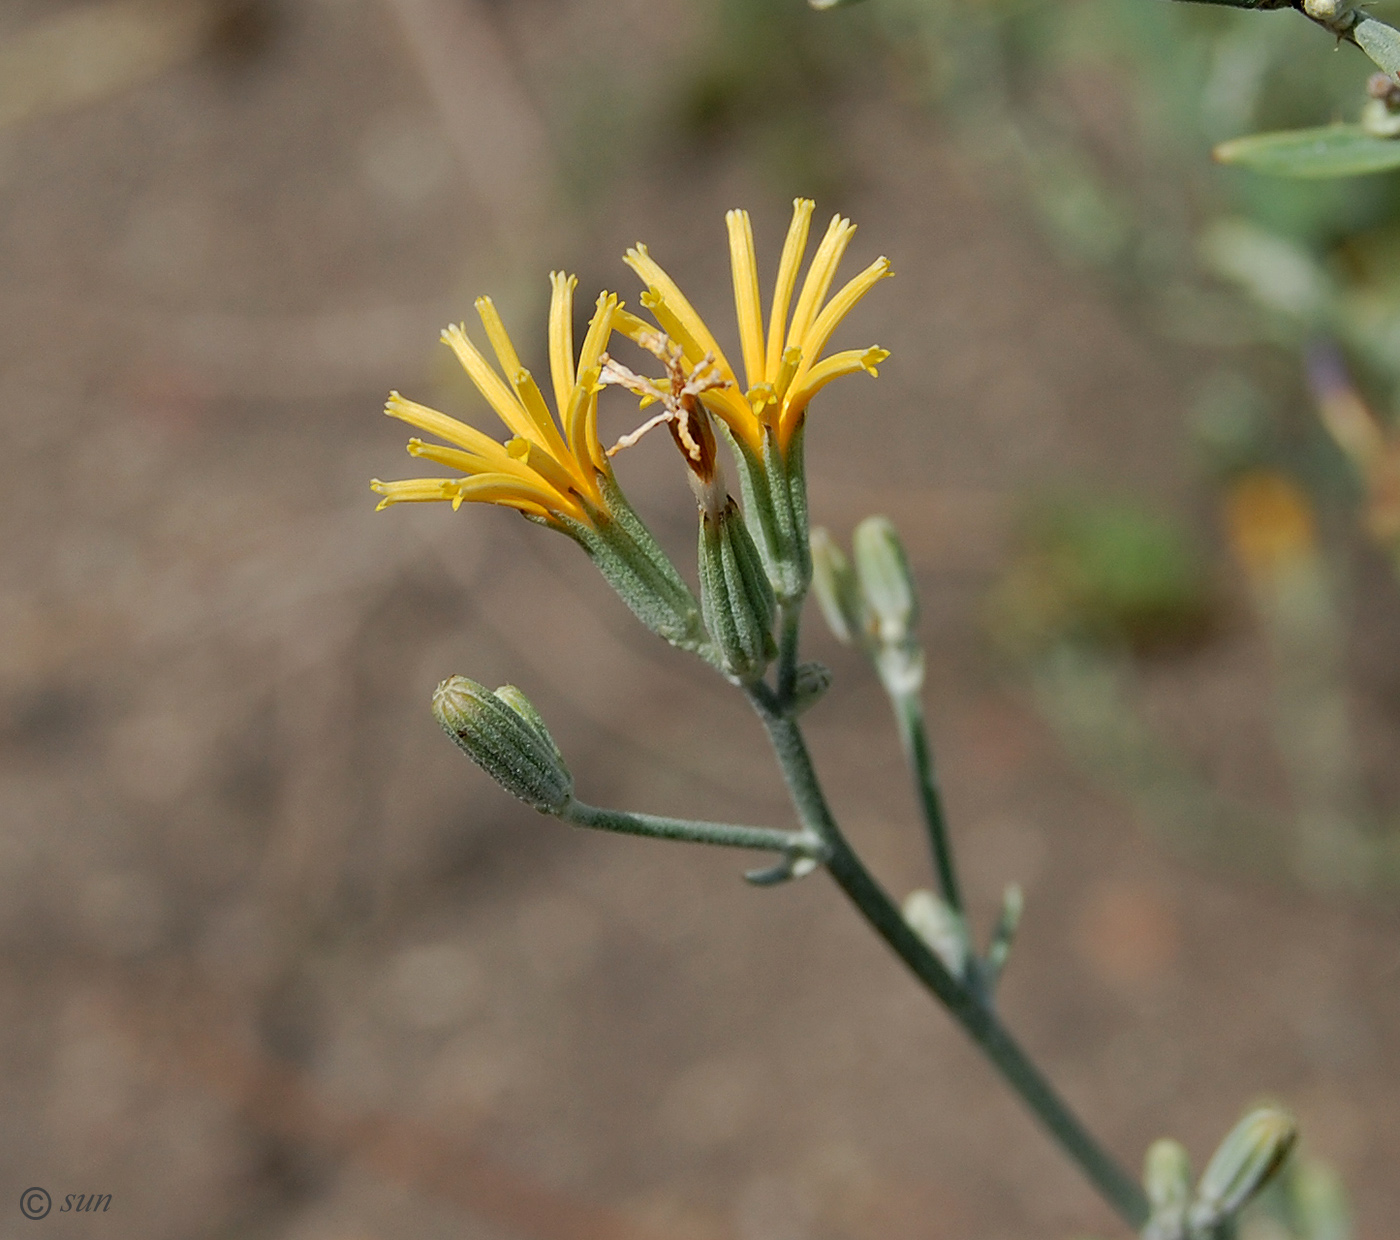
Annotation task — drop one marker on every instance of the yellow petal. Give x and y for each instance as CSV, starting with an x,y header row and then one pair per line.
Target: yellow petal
x,y
453,458
550,472
600,326
744,267
833,367
763,400
576,416
595,448
488,382
792,360
469,462
840,306
443,427
629,325
581,416
677,329
498,336
502,489
819,277
725,402
561,336
647,267
734,411
412,491
529,394
793,249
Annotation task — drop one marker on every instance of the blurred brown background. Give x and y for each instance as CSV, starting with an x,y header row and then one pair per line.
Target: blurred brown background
x,y
278,961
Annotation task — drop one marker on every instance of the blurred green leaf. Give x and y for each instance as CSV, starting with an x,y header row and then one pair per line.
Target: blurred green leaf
x,y
1103,571
1278,274
1326,151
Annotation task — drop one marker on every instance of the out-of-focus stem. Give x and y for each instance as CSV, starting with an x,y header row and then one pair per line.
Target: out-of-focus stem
x,y
913,734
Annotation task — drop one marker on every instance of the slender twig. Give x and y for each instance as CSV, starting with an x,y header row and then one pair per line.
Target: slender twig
x,y
1118,1188
1251,4
913,734
765,839
790,621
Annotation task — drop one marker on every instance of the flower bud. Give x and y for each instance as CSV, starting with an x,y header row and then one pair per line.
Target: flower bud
x,y
504,735
1319,1202
735,595
1004,933
1166,1176
525,708
1247,1159
1324,10
885,580
940,927
810,684
838,593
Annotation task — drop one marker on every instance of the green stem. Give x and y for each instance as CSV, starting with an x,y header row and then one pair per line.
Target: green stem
x,y
909,713
790,621
1119,1189
765,839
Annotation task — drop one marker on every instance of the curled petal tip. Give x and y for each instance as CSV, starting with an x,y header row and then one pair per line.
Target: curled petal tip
x,y
874,356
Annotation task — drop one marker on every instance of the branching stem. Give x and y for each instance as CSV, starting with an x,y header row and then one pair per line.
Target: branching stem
x,y
1118,1188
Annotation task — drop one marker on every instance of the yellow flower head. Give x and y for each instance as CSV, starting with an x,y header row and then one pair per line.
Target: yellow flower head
x,y
1271,524
785,370
545,469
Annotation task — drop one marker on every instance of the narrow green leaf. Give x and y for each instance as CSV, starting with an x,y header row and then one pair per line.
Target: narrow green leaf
x,y
1380,42
1327,151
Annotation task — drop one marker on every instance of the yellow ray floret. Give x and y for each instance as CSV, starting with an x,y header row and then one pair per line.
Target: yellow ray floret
x,y
783,369
548,467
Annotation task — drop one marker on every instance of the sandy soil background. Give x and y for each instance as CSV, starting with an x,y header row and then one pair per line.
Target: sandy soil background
x,y
277,961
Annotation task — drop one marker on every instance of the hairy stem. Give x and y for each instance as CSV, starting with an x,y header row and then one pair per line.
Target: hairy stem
x,y
790,621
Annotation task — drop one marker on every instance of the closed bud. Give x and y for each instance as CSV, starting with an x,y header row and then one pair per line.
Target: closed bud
x,y
810,684
1166,1176
1004,933
735,595
838,592
1319,1203
504,735
940,927
901,668
1379,118
1246,1161
1323,10
525,708
885,580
